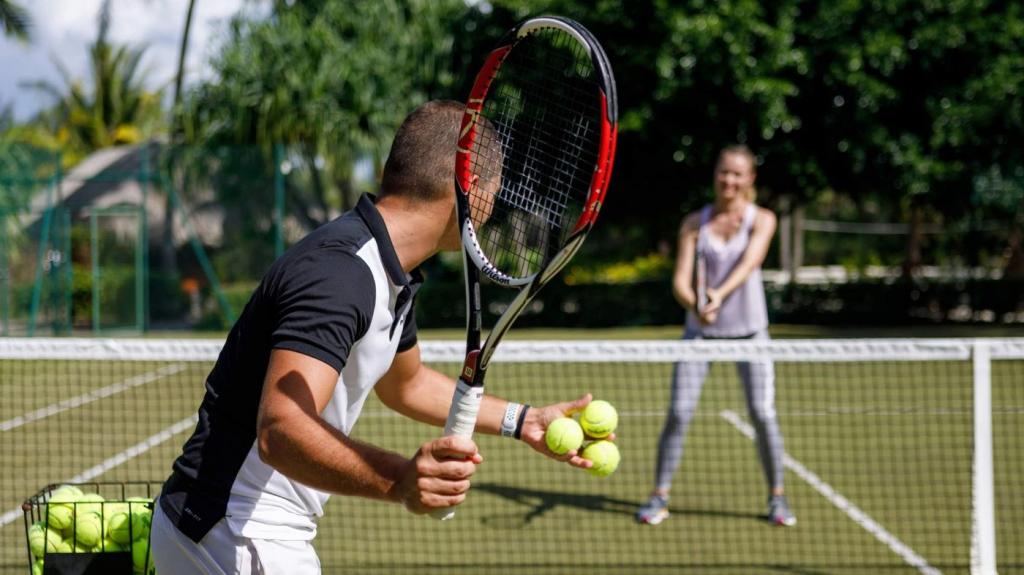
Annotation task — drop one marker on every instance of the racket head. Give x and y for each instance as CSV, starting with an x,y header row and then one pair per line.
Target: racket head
x,y
535,150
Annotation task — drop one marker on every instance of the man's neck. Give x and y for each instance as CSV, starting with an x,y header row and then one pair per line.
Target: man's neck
x,y
416,228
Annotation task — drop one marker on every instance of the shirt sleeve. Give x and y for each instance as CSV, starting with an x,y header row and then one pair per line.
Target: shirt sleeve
x,y
408,338
324,305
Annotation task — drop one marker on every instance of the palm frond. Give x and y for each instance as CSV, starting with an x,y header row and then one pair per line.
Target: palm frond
x,y
15,20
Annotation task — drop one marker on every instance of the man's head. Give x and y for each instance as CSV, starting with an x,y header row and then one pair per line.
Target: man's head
x,y
421,165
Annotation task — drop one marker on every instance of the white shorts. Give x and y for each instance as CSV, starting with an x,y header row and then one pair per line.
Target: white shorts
x,y
223,553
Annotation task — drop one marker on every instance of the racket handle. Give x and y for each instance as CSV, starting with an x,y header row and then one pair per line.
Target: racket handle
x,y
464,408
461,421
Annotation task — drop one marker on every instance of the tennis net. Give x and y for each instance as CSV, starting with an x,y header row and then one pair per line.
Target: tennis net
x,y
901,455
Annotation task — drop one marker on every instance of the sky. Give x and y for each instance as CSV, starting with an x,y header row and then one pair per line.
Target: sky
x,y
63,29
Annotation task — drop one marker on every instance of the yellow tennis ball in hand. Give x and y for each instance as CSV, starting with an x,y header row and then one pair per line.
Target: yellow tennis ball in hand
x,y
604,455
563,435
599,419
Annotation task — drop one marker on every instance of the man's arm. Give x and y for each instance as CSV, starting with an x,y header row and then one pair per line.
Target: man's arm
x,y
293,439
421,393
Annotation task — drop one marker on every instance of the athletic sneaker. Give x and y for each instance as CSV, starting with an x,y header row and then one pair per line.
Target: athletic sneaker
x,y
779,512
654,512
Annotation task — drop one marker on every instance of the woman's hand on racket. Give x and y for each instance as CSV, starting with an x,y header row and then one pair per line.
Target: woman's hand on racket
x,y
709,311
437,477
539,418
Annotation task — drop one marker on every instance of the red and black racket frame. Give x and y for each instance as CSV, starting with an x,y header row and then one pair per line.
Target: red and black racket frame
x,y
477,357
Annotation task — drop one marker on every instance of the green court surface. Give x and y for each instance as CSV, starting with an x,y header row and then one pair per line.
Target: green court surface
x,y
879,469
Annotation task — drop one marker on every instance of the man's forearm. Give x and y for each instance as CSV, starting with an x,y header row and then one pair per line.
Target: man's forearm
x,y
318,455
429,398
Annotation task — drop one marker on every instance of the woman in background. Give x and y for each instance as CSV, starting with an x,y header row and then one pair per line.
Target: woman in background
x,y
726,242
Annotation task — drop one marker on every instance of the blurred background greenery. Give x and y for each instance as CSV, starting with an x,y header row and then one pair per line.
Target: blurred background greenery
x,y
890,135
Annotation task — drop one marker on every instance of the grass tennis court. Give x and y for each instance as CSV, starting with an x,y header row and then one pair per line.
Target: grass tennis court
x,y
892,439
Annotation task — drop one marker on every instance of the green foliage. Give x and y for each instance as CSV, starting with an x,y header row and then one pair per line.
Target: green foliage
x,y
908,105
330,80
116,108
652,266
14,20
238,295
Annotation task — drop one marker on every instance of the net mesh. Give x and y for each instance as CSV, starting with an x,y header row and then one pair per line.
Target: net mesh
x,y
878,456
541,121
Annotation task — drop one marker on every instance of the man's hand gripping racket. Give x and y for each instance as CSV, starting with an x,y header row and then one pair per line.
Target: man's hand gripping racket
x,y
534,159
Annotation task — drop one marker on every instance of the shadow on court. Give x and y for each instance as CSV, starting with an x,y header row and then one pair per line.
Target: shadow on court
x,y
538,502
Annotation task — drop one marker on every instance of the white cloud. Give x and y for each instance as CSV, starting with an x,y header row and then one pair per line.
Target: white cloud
x,y
64,28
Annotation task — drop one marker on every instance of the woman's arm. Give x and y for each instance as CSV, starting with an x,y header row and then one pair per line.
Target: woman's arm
x,y
682,278
753,257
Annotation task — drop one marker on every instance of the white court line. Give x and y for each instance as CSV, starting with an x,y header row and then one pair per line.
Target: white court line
x,y
108,464
845,505
77,401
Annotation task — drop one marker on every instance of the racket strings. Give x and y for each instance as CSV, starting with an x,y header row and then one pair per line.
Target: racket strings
x,y
541,118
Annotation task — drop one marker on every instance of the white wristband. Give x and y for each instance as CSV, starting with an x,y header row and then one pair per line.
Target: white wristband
x,y
511,419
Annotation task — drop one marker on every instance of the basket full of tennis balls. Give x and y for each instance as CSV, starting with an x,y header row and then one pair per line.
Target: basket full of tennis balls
x,y
597,421
75,529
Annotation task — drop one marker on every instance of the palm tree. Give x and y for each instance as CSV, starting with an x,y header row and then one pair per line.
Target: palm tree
x,y
119,110
14,20
179,77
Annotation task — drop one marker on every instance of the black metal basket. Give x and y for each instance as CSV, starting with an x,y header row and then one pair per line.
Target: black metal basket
x,y
62,537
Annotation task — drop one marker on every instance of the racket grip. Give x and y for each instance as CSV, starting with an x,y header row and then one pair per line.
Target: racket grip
x,y
461,421
464,408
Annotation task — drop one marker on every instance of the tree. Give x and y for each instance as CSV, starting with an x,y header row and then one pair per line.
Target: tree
x,y
119,109
913,106
14,20
331,81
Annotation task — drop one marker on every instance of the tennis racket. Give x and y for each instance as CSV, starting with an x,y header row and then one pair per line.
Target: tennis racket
x,y
534,158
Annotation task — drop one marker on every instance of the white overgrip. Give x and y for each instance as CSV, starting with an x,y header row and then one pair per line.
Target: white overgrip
x,y
464,408
461,421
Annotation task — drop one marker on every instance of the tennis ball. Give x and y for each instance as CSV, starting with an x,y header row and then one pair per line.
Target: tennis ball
x,y
563,435
88,529
90,503
124,527
42,540
142,507
112,507
599,419
142,561
605,456
68,489
70,546
60,509
110,546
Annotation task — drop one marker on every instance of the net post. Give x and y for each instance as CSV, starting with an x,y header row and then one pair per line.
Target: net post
x,y
983,528
94,251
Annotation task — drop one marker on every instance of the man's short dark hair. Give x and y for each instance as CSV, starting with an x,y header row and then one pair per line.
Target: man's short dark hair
x,y
421,164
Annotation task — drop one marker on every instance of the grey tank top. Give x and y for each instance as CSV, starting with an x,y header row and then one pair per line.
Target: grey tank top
x,y
745,311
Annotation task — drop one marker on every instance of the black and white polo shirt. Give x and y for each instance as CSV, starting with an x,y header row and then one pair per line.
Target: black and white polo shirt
x,y
340,296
